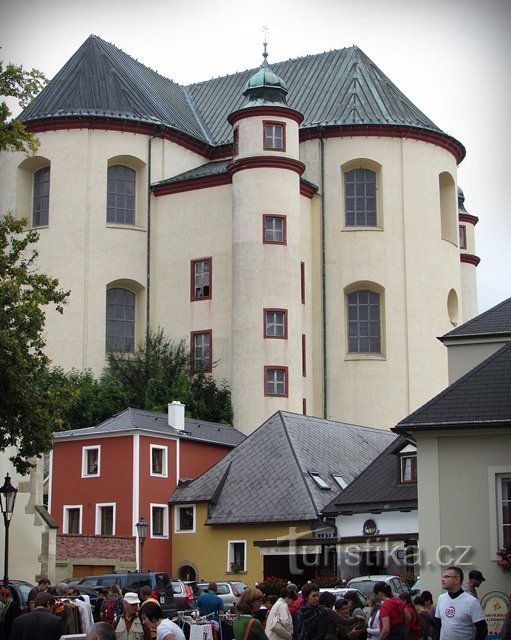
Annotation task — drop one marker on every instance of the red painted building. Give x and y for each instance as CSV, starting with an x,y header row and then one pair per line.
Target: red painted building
x,y
105,479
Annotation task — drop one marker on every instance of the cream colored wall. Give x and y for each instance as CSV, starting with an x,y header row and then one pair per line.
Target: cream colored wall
x,y
407,258
457,504
207,549
251,137
464,356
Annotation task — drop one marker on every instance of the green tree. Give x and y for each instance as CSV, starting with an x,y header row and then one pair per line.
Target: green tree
x,y
23,86
27,409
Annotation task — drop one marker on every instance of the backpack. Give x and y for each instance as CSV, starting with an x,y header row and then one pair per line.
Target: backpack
x,y
110,611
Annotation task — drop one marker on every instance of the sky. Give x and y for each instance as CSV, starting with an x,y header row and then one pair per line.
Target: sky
x,y
451,58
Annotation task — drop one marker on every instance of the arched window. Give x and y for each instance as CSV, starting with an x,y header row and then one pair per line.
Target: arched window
x,y
120,320
41,198
121,186
364,321
360,198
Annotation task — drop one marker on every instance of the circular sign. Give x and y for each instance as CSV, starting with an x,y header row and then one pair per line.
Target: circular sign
x,y
369,528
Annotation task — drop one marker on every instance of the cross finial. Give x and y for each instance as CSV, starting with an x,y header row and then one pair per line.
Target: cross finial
x,y
266,33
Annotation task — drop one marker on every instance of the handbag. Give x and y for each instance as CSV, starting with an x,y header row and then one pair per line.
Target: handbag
x,y
281,630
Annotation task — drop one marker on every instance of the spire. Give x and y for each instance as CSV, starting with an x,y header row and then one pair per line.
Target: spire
x,y
265,87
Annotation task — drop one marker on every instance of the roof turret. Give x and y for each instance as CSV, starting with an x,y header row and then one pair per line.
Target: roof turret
x,y
265,87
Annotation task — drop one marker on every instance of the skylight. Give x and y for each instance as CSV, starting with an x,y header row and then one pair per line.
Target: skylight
x,y
318,480
340,480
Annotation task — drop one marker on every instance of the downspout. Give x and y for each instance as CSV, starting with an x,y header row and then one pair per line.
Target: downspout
x,y
323,269
148,240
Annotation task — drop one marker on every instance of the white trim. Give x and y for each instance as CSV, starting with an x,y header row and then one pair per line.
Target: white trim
x,y
493,504
165,461
99,505
65,517
85,451
165,508
177,509
230,553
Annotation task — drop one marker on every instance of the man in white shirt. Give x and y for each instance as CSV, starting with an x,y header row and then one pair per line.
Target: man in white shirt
x,y
458,614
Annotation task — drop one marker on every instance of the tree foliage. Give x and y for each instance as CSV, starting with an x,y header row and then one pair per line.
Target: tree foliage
x,y
27,408
156,374
23,86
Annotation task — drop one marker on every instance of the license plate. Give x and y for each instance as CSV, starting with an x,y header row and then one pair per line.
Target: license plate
x,y
162,599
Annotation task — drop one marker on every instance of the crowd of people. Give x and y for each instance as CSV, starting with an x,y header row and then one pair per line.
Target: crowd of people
x,y
306,614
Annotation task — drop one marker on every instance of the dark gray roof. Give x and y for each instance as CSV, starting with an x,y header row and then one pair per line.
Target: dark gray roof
x,y
157,423
266,478
494,322
341,87
207,170
481,398
377,488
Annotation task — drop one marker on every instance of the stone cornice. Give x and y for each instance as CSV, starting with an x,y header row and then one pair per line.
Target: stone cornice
x,y
470,258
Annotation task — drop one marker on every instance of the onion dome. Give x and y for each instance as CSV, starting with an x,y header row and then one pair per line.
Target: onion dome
x,y
265,87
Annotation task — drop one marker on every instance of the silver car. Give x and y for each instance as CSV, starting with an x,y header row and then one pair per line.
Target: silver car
x,y
229,592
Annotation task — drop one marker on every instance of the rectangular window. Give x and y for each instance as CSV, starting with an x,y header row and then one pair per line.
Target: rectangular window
x,y
304,355
159,458
274,136
41,198
159,521
184,519
274,229
236,555
364,329
302,281
275,381
275,323
201,351
91,458
105,519
504,506
360,198
72,519
304,406
408,469
120,320
235,141
463,236
201,279
120,196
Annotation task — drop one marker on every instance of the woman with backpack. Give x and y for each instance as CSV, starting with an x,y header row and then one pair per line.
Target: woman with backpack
x,y
112,607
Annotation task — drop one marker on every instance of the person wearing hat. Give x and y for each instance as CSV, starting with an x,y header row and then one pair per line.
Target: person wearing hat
x,y
475,578
10,610
130,626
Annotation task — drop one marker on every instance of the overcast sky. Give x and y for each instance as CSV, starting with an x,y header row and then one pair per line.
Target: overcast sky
x,y
450,57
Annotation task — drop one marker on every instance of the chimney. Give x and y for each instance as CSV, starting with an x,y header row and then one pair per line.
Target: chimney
x,y
177,415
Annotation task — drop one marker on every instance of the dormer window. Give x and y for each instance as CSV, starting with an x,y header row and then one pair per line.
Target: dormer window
x,y
408,464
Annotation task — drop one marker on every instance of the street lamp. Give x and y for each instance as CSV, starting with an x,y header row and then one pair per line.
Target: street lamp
x,y
142,532
7,500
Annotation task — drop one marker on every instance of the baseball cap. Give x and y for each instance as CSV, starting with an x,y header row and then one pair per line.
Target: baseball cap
x,y
476,575
131,598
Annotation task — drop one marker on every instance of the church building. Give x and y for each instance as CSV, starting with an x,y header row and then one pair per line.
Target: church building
x,y
299,224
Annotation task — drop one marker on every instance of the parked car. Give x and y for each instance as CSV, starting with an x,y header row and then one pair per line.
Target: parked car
x,y
132,581
416,587
340,592
20,590
184,597
229,591
85,590
366,583
72,581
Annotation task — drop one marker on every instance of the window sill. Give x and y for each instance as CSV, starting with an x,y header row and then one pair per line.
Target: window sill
x,y
365,356
368,228
131,227
236,573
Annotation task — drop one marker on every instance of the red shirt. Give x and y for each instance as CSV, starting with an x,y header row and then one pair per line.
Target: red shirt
x,y
392,608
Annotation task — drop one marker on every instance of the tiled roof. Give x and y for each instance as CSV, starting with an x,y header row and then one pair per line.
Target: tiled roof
x,y
157,423
377,487
481,398
266,478
340,87
494,322
207,170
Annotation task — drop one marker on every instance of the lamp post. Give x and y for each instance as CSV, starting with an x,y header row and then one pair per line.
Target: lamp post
x,y
141,532
7,500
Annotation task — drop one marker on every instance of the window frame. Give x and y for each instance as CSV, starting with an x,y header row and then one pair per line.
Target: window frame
x,y
285,370
85,461
42,199
319,481
193,336
372,291
403,458
462,236
128,214
233,554
366,212
66,508
165,461
266,324
274,124
275,216
193,288
503,523
165,513
98,522
127,347
177,518
339,480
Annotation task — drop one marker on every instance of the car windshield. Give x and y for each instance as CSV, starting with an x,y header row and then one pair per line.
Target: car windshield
x,y
25,589
366,586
